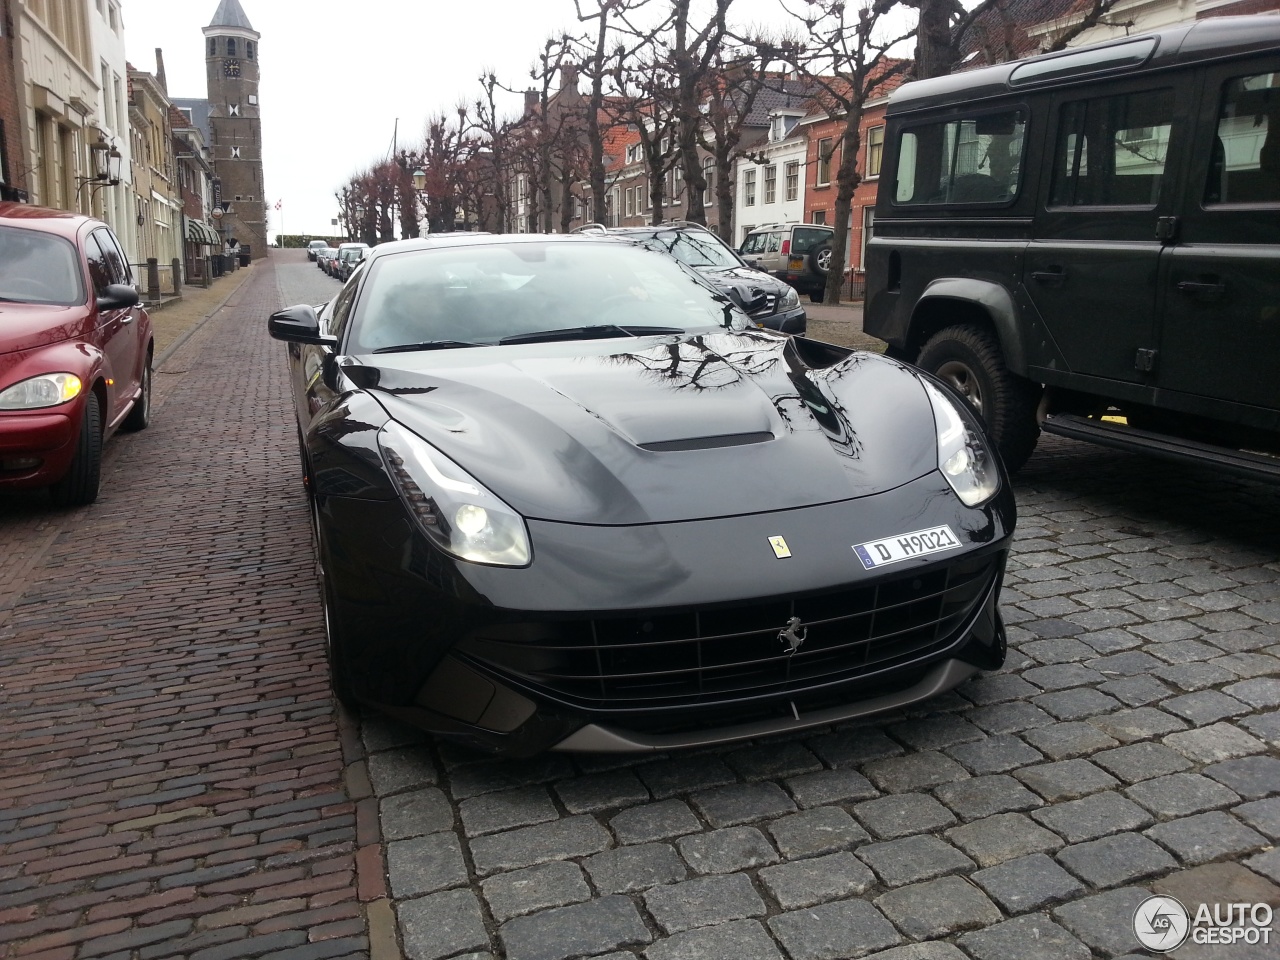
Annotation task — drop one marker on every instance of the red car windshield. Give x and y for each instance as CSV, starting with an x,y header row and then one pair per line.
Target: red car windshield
x,y
38,268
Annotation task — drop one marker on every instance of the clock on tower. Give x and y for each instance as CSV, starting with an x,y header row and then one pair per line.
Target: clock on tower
x,y
231,68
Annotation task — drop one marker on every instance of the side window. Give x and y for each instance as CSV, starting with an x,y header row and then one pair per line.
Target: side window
x,y
1111,151
754,243
120,270
99,269
774,243
342,311
1245,159
975,160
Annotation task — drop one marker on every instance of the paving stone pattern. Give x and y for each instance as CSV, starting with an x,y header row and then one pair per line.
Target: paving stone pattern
x,y
170,764
175,782
1131,738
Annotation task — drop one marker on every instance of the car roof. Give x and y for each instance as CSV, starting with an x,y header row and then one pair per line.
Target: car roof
x,y
1209,39
64,223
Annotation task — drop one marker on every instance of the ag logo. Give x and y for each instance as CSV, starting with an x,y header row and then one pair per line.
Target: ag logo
x,y
1161,924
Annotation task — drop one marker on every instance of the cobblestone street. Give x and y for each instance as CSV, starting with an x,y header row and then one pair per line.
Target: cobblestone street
x,y
175,781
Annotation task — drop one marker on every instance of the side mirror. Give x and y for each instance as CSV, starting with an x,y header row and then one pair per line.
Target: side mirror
x,y
749,299
118,296
298,324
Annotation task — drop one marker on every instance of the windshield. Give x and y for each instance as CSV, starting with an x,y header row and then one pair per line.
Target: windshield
x,y
484,293
698,250
38,268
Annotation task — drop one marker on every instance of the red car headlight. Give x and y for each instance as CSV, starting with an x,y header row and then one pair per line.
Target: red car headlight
x,y
46,390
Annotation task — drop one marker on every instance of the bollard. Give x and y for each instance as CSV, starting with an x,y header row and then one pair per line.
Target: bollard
x,y
153,279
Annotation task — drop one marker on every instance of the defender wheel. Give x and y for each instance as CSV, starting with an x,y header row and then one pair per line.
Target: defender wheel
x,y
818,297
140,415
968,359
79,486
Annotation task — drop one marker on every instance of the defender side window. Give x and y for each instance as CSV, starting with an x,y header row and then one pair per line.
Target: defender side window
x,y
974,160
1245,160
1111,151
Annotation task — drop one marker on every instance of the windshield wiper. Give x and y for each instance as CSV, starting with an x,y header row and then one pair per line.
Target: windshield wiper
x,y
598,331
429,345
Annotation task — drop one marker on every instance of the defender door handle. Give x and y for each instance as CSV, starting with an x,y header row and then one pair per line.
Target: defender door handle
x,y
1202,290
1057,275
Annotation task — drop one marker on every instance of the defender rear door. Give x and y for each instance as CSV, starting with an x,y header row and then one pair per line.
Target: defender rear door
x,y
1220,338
1091,270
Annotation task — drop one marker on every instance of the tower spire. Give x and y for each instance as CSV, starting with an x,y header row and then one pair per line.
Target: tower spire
x,y
231,14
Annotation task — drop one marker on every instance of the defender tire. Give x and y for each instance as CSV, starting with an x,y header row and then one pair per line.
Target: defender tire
x,y
968,359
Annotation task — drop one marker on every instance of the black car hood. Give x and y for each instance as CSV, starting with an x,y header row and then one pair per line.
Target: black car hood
x,y
663,429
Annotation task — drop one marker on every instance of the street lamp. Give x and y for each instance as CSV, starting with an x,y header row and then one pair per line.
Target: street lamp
x,y
105,159
419,179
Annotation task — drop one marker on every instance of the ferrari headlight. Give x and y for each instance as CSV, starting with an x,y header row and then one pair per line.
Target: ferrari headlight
x,y
963,457
451,506
46,390
789,300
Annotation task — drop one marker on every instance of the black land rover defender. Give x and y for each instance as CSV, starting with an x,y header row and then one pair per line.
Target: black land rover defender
x,y
1088,243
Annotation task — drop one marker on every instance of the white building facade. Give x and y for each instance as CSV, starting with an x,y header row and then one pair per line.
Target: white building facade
x,y
770,176
114,203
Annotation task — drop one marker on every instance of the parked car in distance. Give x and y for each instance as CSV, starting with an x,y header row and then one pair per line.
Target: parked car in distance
x,y
324,259
314,247
349,254
768,301
799,254
75,351
1088,243
567,497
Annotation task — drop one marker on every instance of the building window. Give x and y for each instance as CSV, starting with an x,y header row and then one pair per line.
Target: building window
x,y
213,47
628,202
777,128
231,46
875,148
770,183
793,180
709,174
749,188
824,162
248,49
819,216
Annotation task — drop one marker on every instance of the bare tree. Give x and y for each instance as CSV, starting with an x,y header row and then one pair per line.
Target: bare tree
x,y
642,102
610,37
847,63
493,132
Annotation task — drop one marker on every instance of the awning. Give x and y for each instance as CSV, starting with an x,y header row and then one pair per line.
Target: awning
x,y
200,232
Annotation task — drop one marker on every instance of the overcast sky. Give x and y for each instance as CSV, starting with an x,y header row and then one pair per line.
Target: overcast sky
x,y
336,75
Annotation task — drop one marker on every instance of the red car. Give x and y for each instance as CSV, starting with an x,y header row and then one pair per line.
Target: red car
x,y
75,350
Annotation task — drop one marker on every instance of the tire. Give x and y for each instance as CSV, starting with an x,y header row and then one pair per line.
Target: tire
x,y
818,296
140,416
968,359
339,678
820,258
79,486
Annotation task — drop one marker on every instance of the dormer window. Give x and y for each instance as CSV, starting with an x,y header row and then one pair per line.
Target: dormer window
x,y
777,128
231,47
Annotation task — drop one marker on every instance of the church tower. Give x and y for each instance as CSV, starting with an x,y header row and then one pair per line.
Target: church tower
x,y
231,64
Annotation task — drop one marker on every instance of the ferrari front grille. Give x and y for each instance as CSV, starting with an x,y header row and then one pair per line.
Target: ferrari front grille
x,y
726,653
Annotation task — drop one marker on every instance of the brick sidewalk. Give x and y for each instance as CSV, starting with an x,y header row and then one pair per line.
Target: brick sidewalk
x,y
171,776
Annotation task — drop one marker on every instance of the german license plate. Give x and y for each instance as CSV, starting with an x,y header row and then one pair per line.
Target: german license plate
x,y
905,546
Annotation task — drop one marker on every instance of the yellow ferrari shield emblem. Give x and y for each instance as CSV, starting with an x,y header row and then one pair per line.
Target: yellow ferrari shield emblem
x,y
780,548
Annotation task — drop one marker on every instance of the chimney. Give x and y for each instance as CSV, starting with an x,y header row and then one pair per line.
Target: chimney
x,y
530,102
164,85
569,77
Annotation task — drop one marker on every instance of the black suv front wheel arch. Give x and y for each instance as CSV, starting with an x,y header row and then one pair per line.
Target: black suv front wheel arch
x,y
969,360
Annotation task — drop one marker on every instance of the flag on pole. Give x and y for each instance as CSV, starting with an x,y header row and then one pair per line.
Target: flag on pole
x,y
278,202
